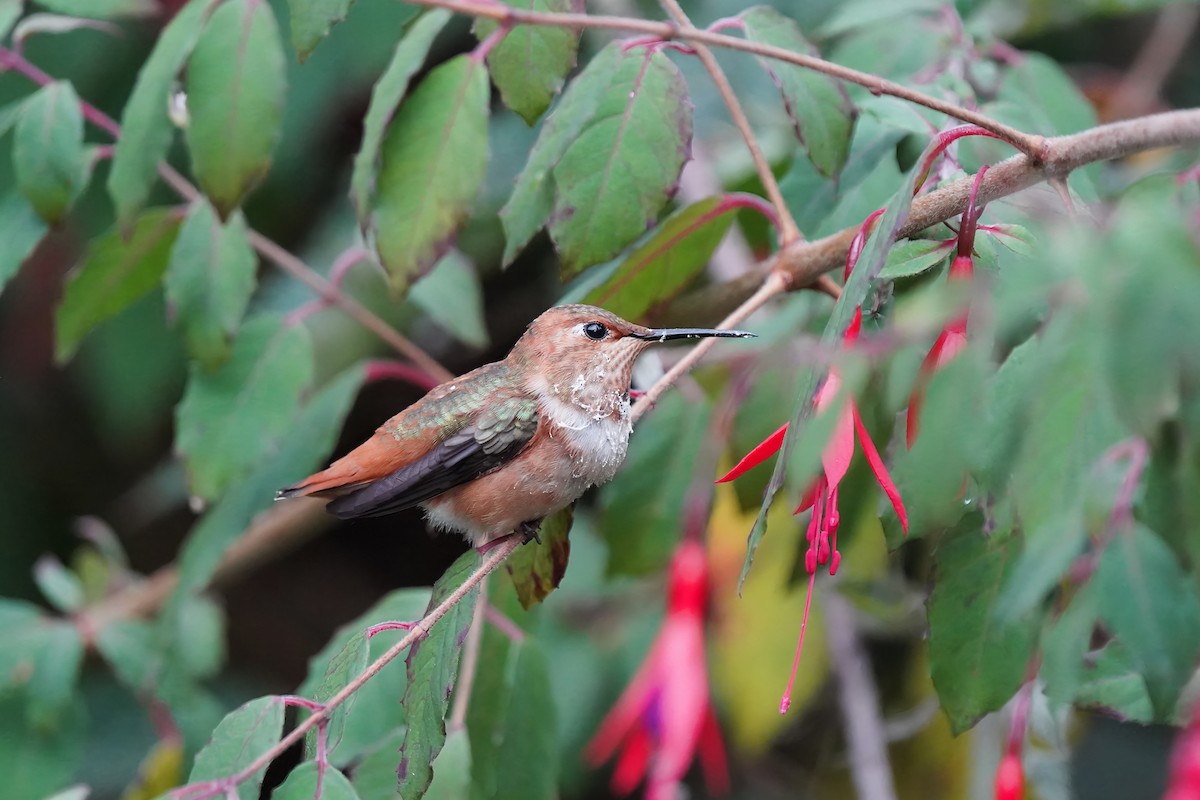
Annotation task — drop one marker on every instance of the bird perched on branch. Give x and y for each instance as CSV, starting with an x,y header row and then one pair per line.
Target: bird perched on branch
x,y
495,451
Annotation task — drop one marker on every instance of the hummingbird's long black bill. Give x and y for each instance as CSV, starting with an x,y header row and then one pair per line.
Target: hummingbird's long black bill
x,y
665,334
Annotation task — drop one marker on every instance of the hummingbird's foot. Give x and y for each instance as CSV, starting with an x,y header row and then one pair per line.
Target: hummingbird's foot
x,y
529,529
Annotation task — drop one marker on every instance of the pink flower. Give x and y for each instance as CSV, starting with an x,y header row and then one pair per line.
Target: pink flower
x,y
665,718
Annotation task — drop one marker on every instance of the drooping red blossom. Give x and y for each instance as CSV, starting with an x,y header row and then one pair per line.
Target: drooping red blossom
x,y
1010,774
664,719
1184,780
822,495
953,337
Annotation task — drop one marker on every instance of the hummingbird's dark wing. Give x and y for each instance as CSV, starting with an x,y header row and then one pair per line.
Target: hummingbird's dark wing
x,y
497,435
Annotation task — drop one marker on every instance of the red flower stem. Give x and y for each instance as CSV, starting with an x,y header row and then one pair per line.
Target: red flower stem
x,y
503,624
480,53
970,217
380,370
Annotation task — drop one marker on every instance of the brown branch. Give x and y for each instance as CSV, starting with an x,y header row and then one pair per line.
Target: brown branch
x,y
788,231
271,251
803,262
1025,142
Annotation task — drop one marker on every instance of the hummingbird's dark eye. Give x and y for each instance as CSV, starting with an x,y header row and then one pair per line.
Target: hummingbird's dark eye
x,y
595,331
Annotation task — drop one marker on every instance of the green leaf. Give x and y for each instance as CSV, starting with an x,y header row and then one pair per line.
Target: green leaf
x,y
1150,605
913,257
432,669
128,647
43,656
49,157
116,271
1113,685
530,64
1149,332
1071,423
236,87
640,510
614,178
345,664
511,717
229,419
374,776
209,281
820,111
530,734
1017,238
200,623
434,160
537,568
385,97
38,763
372,714
305,782
58,584
452,297
101,9
932,474
662,267
976,662
10,12
146,130
533,197
245,734
452,770
289,458
312,21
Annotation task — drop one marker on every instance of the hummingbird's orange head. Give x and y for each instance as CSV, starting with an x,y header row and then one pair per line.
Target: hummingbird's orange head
x,y
573,343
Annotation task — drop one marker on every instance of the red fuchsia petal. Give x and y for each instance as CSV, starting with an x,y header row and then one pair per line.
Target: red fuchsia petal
x,y
810,496
1185,762
786,702
687,590
1010,778
949,343
712,755
767,448
683,697
880,471
855,326
631,766
625,717
835,458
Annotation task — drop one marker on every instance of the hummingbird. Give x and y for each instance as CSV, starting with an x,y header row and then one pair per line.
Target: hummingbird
x,y
496,450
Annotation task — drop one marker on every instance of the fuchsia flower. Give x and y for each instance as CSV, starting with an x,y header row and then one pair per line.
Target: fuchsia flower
x,y
822,496
665,718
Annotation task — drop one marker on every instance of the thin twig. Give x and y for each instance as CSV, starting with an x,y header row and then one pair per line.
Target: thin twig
x,y
271,251
858,698
1028,143
788,231
419,631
